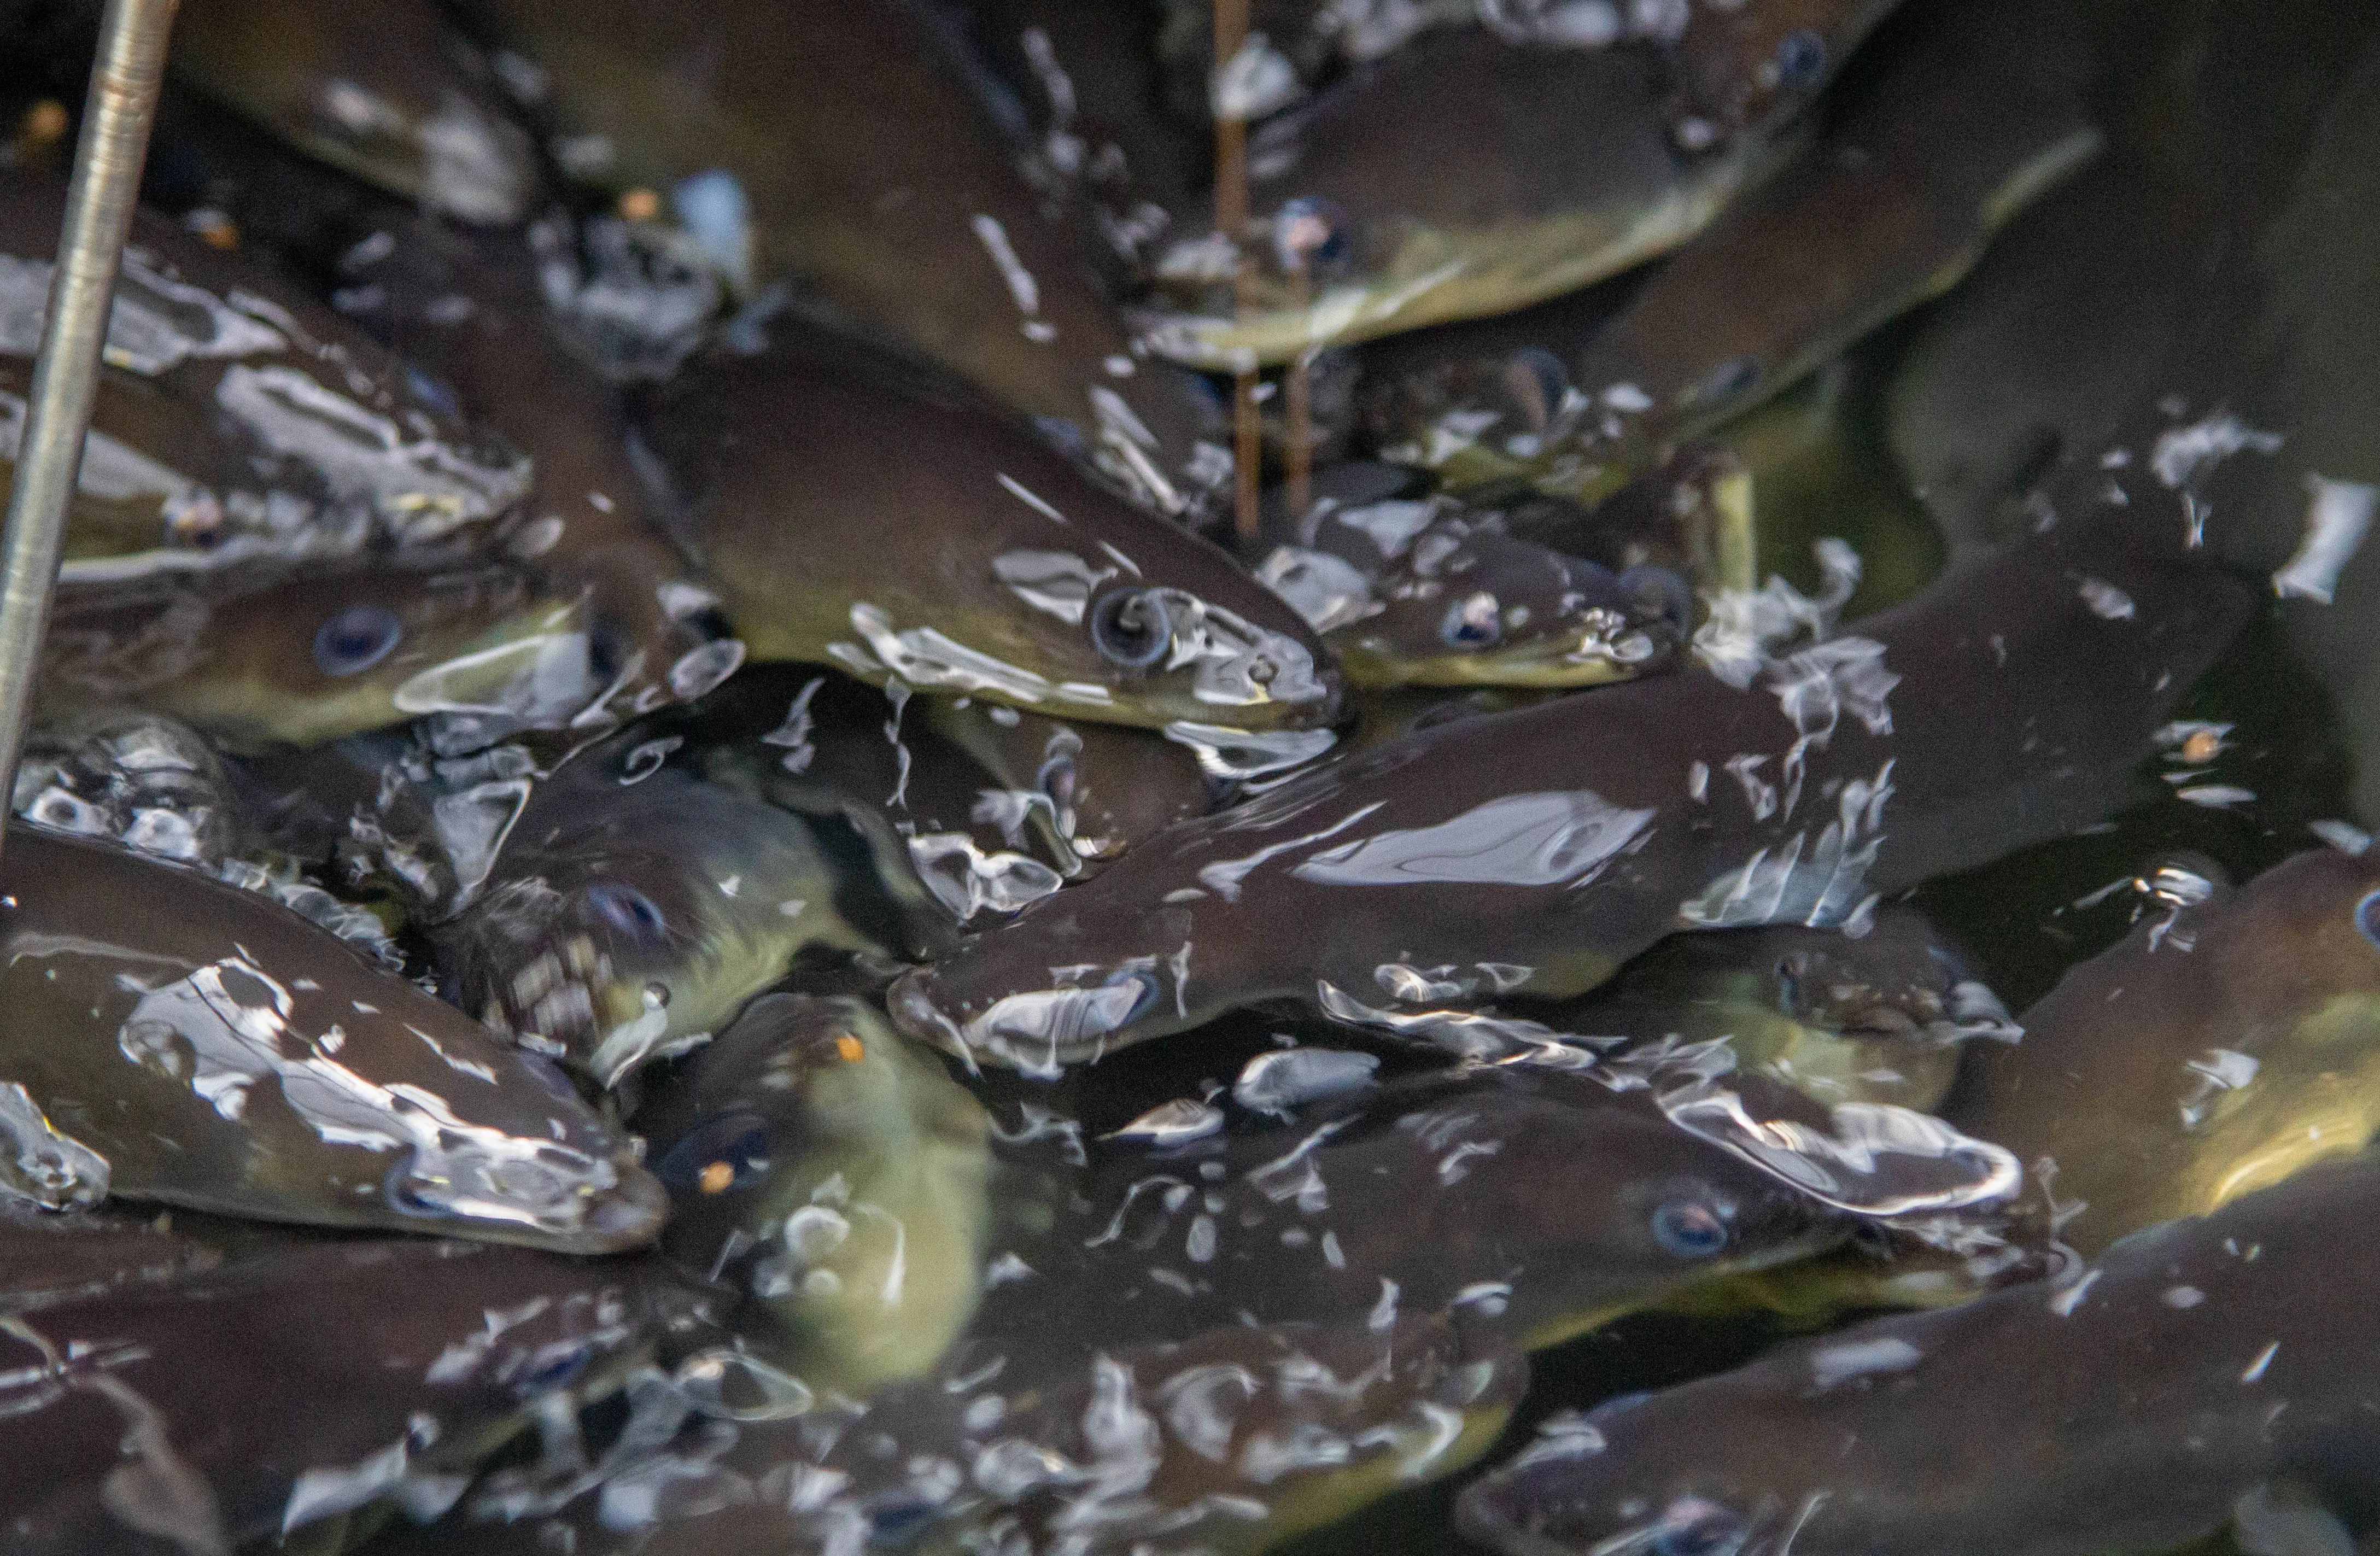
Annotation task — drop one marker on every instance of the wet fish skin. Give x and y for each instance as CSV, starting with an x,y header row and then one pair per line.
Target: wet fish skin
x,y
776,461
2132,1414
1438,1399
384,92
2154,1082
1535,1205
1384,715
520,330
1096,1455
466,307
151,785
2068,318
53,1256
2318,317
2197,1060
396,1360
310,657
240,421
634,906
1106,137
144,780
1565,175
351,812
835,1173
926,850
1884,1018
1557,842
2213,186
885,226
1871,222
1108,787
1745,68
1462,602
1689,513
211,1050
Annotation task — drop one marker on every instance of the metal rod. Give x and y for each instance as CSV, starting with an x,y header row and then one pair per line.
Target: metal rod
x,y
1298,413
1232,221
124,83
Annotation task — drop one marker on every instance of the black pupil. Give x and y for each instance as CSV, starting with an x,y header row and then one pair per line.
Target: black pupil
x,y
1472,622
1131,627
1690,1229
355,640
1800,59
629,910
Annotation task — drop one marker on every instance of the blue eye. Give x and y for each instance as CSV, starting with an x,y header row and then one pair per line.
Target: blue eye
x,y
402,1190
355,640
2367,917
1800,60
629,911
1132,627
1697,1527
726,1152
1690,1228
1472,623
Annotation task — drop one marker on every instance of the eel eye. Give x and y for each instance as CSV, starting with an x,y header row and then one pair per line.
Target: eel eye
x,y
1691,1227
629,911
1131,627
1472,623
357,639
1800,60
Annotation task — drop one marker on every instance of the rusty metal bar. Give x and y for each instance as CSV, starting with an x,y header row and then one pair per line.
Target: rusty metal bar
x,y
1232,221
125,78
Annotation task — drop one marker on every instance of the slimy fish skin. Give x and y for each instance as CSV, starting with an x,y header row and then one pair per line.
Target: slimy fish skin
x,y
1535,851
854,512
186,1043
2194,1376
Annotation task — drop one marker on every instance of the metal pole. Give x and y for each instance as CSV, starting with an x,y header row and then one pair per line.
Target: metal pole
x,y
123,83
1232,221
